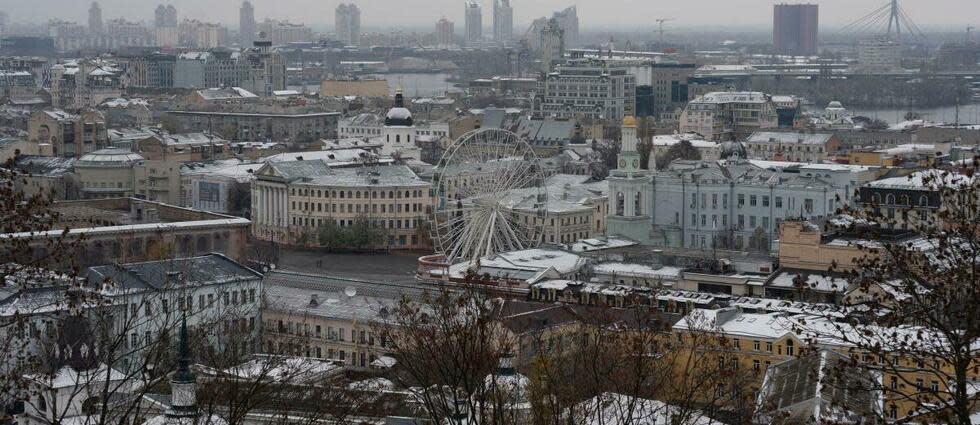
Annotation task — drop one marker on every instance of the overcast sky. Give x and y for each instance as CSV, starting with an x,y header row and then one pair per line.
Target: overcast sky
x,y
626,14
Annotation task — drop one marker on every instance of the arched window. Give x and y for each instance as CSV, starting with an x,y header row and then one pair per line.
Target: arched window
x,y
620,203
890,199
904,200
637,209
789,347
923,201
876,198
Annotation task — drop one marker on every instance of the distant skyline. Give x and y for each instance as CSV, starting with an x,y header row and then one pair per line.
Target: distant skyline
x,y
623,14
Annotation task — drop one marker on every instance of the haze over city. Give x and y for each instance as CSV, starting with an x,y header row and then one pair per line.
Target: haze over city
x,y
489,212
623,14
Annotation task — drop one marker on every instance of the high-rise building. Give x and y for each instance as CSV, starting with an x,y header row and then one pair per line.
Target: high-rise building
x,y
165,25
95,18
348,24
552,44
503,21
794,29
444,33
246,24
474,21
568,21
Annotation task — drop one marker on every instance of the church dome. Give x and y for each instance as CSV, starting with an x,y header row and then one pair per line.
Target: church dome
x,y
733,149
835,105
399,115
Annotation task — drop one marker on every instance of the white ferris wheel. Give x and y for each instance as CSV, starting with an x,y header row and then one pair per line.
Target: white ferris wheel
x,y
491,195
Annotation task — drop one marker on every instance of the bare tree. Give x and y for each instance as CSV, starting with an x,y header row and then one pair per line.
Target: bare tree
x,y
917,324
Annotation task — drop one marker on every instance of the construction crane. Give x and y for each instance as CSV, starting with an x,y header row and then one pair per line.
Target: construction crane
x,y
660,25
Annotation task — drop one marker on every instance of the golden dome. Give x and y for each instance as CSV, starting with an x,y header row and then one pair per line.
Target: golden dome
x,y
629,121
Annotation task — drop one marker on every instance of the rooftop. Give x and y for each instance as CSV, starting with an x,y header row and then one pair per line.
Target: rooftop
x,y
211,269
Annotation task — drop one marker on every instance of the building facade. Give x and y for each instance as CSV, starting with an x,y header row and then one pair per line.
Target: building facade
x,y
473,15
720,116
300,202
731,204
584,89
347,24
794,29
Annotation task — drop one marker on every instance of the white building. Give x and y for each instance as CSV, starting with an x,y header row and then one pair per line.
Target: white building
x,y
474,22
879,54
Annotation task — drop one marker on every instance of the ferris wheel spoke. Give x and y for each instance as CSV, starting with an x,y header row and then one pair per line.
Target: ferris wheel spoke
x,y
489,177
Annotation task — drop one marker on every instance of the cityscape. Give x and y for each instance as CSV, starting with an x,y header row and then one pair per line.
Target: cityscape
x,y
489,212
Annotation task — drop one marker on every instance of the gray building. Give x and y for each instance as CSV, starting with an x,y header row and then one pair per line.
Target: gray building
x,y
246,24
347,24
474,22
584,88
732,204
261,127
503,21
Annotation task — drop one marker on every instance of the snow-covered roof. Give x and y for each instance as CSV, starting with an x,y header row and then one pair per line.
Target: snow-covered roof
x,y
620,409
601,243
925,180
789,138
732,97
637,270
814,281
285,369
695,139
908,148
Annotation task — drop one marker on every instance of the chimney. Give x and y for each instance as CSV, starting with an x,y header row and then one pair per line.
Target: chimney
x,y
314,300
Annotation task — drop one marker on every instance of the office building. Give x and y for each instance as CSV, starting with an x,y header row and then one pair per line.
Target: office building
x,y
246,24
794,29
587,89
503,21
347,24
879,54
474,22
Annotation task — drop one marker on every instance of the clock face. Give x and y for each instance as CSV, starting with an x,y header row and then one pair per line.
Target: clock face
x,y
636,163
622,163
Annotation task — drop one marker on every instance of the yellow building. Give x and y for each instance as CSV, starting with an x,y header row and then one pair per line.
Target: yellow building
x,y
295,202
751,342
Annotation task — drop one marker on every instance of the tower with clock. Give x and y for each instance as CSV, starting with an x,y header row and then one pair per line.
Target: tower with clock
x,y
628,187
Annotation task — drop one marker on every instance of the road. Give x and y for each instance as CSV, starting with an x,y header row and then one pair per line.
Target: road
x,y
397,267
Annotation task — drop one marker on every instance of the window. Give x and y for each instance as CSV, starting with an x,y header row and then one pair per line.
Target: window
x,y
755,345
735,344
752,200
741,200
769,347
779,202
756,365
765,200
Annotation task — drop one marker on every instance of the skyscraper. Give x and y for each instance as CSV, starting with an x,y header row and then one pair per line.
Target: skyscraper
x,y
503,21
165,25
794,29
568,21
474,21
348,24
95,18
246,24
444,33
